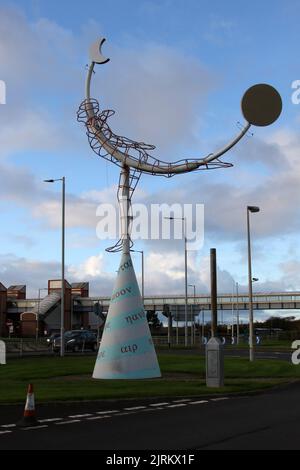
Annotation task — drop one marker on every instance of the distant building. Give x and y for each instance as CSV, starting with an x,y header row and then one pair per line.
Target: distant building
x,y
80,289
3,307
16,292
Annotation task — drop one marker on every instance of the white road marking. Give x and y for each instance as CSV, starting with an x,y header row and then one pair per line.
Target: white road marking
x,y
181,400
80,416
98,417
199,402
176,406
160,404
68,422
107,412
50,420
220,399
5,432
133,408
152,409
8,425
31,428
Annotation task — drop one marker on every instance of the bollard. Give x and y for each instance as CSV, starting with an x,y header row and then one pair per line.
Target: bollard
x,y
2,352
214,363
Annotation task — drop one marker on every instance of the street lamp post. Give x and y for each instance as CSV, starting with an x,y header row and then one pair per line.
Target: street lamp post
x,y
232,315
62,312
143,272
251,209
192,313
237,314
183,219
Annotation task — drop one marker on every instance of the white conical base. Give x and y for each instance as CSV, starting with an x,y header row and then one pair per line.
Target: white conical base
x,y
126,349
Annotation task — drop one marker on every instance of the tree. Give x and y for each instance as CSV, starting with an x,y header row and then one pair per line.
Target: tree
x,y
284,323
153,320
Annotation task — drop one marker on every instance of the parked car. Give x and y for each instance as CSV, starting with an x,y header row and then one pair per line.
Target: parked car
x,y
77,340
52,338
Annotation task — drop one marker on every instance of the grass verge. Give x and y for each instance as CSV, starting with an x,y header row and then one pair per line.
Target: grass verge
x,y
69,378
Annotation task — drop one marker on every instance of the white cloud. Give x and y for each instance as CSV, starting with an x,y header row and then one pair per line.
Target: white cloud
x,y
92,267
158,96
165,274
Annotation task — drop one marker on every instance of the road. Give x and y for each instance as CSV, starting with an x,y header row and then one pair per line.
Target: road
x,y
234,352
264,421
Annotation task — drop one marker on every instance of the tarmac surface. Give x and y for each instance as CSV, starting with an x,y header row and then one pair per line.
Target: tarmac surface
x,y
267,420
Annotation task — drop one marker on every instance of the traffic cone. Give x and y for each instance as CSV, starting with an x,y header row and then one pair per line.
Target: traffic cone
x,y
29,417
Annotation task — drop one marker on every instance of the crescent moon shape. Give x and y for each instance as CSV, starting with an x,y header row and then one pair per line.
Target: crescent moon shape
x,y
114,144
96,53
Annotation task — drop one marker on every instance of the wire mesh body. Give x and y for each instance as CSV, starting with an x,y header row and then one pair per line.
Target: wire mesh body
x,y
106,144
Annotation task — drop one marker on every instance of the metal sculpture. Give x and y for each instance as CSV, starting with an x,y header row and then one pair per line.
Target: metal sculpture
x,y
126,349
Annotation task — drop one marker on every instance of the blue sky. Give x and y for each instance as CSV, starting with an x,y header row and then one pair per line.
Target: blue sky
x,y
177,73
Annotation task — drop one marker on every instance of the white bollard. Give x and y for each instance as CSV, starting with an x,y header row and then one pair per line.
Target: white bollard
x,y
2,352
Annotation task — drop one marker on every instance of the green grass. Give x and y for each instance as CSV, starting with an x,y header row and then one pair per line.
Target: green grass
x,y
69,378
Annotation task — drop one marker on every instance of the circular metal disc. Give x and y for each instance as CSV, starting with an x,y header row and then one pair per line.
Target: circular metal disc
x,y
261,105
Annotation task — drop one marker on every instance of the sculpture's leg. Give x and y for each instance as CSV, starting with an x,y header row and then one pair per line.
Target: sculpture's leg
x,y
126,349
125,208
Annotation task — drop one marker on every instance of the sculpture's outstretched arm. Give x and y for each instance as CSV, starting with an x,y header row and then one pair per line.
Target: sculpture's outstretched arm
x,y
261,105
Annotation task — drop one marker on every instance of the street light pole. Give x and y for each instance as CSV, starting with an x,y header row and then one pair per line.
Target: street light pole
x,y
237,314
192,313
183,219
62,319
143,273
62,311
251,209
232,314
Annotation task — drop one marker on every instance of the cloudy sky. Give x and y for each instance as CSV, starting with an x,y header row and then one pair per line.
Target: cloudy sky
x,y
177,72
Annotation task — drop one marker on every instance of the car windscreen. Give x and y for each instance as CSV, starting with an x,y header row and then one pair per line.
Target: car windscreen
x,y
71,335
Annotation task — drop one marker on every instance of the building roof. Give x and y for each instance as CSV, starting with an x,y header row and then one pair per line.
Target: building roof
x,y
2,288
80,285
17,288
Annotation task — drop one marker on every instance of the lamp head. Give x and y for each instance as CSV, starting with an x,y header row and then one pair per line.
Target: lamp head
x,y
253,208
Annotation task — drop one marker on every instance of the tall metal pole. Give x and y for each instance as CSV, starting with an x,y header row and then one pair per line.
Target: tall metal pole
x,y
183,219
192,314
38,317
62,313
232,313
213,283
193,329
143,272
124,202
251,348
237,315
186,285
143,279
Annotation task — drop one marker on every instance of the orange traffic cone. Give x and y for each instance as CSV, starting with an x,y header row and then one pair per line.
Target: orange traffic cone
x,y
29,417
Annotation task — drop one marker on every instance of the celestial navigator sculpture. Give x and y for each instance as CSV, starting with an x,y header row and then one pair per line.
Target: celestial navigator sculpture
x,y
126,349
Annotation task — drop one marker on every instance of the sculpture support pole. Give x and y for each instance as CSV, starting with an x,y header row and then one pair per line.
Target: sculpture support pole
x,y
124,201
